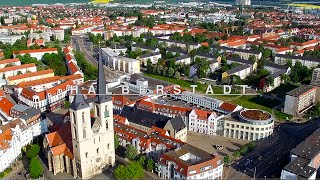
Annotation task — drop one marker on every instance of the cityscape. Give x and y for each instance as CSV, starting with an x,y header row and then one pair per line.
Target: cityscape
x,y
159,89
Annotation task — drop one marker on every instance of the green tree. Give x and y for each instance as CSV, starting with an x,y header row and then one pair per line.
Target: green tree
x,y
159,69
150,165
285,78
131,152
35,168
236,154
170,72
227,159
67,38
252,58
133,171
66,105
165,71
33,151
251,145
142,160
116,142
270,81
177,75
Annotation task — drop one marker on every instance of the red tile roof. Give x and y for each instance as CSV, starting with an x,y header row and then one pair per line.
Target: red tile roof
x,y
5,105
14,68
228,107
8,61
36,51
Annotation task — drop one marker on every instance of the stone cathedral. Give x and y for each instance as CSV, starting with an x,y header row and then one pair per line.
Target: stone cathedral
x,y
84,144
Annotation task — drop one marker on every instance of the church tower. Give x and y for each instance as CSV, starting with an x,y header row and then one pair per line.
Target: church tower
x,y
92,130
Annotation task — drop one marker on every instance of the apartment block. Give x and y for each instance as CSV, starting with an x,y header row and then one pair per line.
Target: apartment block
x,y
301,99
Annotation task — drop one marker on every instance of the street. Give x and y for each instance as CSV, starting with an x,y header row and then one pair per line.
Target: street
x,y
270,156
83,44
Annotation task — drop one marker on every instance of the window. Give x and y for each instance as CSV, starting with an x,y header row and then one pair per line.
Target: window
x,y
94,140
99,138
106,112
97,110
84,134
86,154
108,146
75,133
97,150
107,125
74,118
83,121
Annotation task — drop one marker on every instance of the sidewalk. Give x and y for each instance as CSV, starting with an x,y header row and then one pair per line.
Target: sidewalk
x,y
13,174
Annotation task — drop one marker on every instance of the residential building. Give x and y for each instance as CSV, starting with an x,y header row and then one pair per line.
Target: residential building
x,y
145,120
304,159
11,39
84,145
199,100
301,99
154,57
14,80
306,61
46,94
153,143
10,62
120,63
203,121
242,72
16,70
247,124
189,162
275,78
19,132
316,77
58,33
36,53
183,59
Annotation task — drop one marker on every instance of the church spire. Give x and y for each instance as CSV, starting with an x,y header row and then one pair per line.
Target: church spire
x,y
101,82
78,102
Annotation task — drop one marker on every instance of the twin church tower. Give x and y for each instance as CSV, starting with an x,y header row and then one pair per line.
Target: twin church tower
x,y
92,130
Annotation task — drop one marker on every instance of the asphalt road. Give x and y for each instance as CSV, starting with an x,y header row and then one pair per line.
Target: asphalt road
x,y
270,156
83,44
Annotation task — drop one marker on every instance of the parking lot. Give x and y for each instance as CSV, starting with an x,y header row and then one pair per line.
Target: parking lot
x,y
208,143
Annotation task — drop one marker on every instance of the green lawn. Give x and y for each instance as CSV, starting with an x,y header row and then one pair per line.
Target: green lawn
x,y
5,172
282,90
252,102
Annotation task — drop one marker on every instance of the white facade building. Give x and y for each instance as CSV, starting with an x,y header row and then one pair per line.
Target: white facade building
x,y
248,124
18,133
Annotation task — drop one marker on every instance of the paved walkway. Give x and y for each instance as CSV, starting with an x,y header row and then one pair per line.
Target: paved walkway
x,y
15,170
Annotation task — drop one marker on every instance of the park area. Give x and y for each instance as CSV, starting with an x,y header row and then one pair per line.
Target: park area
x,y
247,101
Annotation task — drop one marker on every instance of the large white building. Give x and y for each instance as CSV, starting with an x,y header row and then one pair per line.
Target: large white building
x,y
316,77
18,133
199,100
10,39
36,53
248,124
112,60
301,99
189,162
